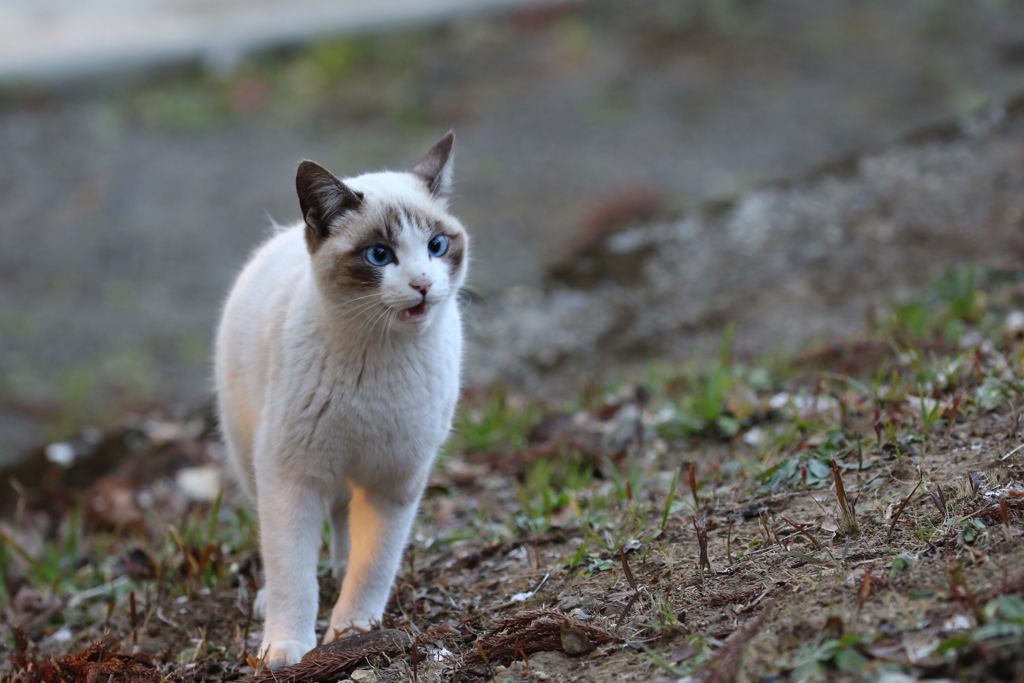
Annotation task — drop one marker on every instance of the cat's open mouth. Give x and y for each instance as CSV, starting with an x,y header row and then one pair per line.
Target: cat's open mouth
x,y
416,314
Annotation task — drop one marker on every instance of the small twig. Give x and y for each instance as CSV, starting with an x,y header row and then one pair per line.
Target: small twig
x,y
848,522
509,603
702,541
168,621
939,498
626,569
632,584
762,596
728,544
693,486
764,529
103,589
802,528
818,503
903,504
1012,452
812,560
625,610
987,510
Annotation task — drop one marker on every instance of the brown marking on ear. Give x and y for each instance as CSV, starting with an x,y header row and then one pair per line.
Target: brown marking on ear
x,y
436,167
323,199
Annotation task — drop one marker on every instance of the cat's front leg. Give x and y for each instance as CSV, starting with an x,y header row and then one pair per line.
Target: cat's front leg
x,y
379,524
291,518
337,515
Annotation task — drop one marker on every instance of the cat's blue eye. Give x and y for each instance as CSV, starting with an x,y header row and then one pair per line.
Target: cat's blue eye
x,y
438,245
379,255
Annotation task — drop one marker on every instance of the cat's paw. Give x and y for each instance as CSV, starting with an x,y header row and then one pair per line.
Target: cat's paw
x,y
283,652
259,605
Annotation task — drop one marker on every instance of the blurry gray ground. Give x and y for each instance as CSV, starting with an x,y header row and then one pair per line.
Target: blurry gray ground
x,y
126,208
784,264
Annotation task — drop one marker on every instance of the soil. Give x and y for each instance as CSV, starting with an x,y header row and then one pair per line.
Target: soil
x,y
731,567
129,202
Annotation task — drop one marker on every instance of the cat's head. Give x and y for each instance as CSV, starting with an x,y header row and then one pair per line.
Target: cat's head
x,y
384,248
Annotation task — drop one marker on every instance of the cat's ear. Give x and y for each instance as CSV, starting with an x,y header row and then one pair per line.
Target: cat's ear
x,y
322,198
436,167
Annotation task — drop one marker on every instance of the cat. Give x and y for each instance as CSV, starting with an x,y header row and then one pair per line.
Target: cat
x,y
337,369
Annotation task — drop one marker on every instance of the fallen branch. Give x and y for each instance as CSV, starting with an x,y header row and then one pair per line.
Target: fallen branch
x,y
534,631
340,656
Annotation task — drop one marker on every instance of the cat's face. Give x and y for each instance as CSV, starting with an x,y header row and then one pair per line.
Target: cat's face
x,y
385,251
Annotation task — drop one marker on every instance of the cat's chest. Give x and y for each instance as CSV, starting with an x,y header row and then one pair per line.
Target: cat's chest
x,y
377,406
389,393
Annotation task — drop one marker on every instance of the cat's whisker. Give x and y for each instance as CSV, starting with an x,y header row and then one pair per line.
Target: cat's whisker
x,y
364,308
382,317
367,306
377,319
352,303
389,325
369,317
365,296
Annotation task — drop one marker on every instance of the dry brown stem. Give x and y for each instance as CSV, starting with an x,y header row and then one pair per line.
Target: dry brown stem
x,y
534,631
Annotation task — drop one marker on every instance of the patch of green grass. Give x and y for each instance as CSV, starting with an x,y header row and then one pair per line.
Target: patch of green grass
x,y
715,400
954,303
54,567
500,422
549,487
810,468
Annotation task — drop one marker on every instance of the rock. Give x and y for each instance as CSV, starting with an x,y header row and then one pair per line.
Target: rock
x,y
575,641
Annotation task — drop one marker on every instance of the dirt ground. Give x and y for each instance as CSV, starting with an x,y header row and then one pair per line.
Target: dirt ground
x,y
859,520
128,203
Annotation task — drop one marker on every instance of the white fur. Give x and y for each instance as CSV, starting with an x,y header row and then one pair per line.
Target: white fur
x,y
336,408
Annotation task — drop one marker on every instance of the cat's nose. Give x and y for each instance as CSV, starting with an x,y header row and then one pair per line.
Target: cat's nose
x,y
421,285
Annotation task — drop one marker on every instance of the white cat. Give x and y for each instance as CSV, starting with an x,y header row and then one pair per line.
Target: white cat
x,y
337,370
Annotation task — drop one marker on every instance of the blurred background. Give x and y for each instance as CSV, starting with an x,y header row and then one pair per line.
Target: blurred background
x,y
147,146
